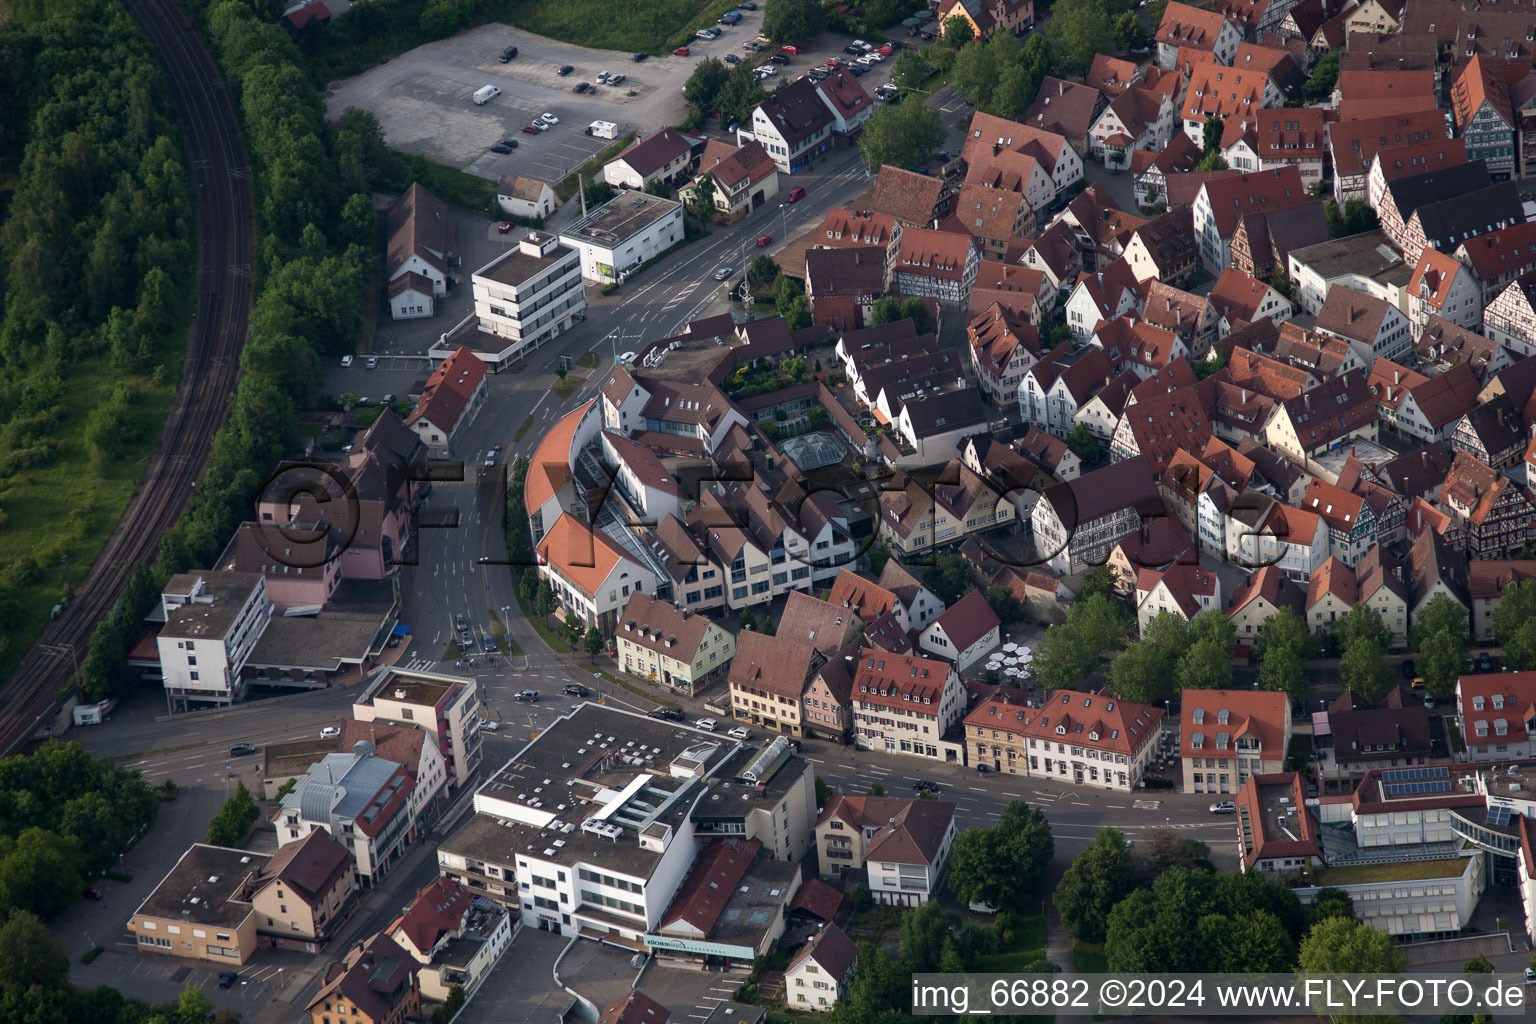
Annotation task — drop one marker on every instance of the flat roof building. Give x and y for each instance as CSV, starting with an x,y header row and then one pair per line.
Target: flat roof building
x,y
623,233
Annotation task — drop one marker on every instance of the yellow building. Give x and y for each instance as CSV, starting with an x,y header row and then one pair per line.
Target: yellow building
x,y
677,648
202,909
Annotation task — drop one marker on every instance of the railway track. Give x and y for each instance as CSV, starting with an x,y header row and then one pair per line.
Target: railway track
x,y
221,177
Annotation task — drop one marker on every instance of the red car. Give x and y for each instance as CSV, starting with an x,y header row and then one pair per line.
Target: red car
x,y
886,49
831,65
530,129
795,194
504,227
764,241
790,48
681,51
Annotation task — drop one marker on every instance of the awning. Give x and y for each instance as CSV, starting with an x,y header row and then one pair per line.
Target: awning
x,y
401,630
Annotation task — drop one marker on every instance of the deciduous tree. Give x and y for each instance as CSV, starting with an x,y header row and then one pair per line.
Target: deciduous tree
x,y
1364,669
901,136
1078,31
1514,625
1097,879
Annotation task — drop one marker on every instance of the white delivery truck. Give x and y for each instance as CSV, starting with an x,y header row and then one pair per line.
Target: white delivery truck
x,y
603,129
485,94
93,714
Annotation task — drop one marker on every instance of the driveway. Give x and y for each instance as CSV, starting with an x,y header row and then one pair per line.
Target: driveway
x,y
478,243
423,99
160,979
598,971
521,989
691,994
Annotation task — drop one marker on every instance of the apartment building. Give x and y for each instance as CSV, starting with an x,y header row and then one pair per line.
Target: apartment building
x,y
1228,735
674,647
1087,739
906,704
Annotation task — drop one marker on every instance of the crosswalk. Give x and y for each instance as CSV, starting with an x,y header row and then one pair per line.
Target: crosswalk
x,y
1147,805
421,665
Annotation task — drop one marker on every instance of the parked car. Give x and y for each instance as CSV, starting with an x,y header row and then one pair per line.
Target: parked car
x,y
627,357
747,5
1409,669
488,643
729,18
779,59
886,49
507,54
577,690
531,130
665,714
739,733
731,58
228,978
92,893
549,118
373,362
681,51
242,750
346,361
1224,807
564,69
490,726
602,76
461,624
925,786
616,79
1484,663
707,724
764,241
983,768
795,194
790,48
981,908
819,75
582,87
767,71
724,273
540,126
751,46
527,696
638,57
858,70
851,50
330,732
707,33
504,228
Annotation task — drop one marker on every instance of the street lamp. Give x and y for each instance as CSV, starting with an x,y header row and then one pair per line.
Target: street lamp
x,y
783,220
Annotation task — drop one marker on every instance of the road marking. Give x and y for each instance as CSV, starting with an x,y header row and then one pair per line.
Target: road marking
x,y
1116,807
975,789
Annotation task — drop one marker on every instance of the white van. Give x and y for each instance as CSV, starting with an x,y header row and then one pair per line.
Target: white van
x,y
604,129
485,94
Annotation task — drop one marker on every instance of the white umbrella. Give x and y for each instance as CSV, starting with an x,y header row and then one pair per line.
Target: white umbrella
x,y
1026,655
1010,648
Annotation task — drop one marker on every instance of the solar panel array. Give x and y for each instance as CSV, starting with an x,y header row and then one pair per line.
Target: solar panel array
x,y
1416,774
1498,814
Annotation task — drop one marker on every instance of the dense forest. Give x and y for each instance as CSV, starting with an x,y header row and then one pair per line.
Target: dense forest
x,y
96,263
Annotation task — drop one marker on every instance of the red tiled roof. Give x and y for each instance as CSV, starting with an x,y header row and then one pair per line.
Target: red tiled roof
x,y
437,910
1098,720
967,620
1261,713
1261,191
1515,696
449,390
710,884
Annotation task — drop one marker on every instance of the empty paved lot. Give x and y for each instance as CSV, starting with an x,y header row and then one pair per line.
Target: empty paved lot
x,y
423,99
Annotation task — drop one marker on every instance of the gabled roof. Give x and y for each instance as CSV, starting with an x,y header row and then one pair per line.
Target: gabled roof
x,y
996,334
847,270
1446,342
1186,26
634,1008
1268,584
990,135
1105,491
656,150
831,950
436,911
661,626
1353,315
777,665
1511,250
1185,583
905,831
520,187
1379,569
373,976
1111,75
1415,190
1216,719
967,620
1331,410
736,167
1355,143
1431,155
1238,294
1335,578
582,554
1065,108
1445,399
420,224
796,111
933,253
310,867
855,228
824,625
710,884
1417,472
844,94
1273,189
1216,90
449,390
907,196
1478,86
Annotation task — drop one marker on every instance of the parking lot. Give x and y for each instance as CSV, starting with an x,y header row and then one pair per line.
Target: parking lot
x,y
161,978
521,987
423,99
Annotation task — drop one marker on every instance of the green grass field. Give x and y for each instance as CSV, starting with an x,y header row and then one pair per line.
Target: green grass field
x,y
567,386
651,26
67,508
